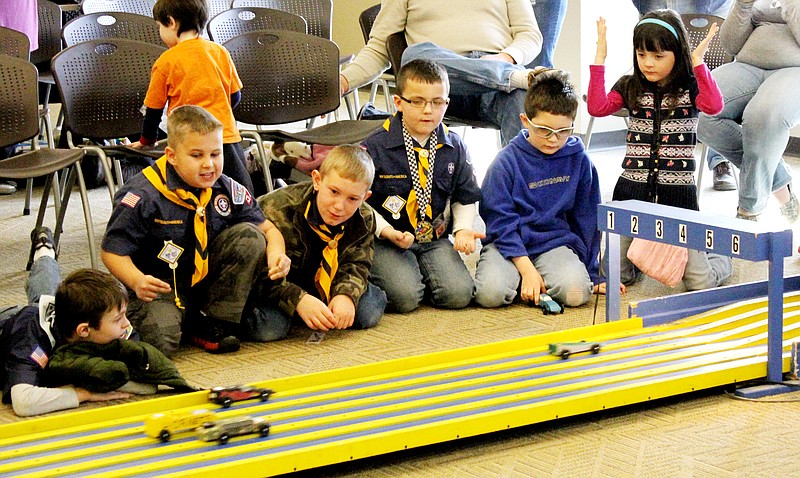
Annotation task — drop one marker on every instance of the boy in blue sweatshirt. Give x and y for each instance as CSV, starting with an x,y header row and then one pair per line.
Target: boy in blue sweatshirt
x,y
540,198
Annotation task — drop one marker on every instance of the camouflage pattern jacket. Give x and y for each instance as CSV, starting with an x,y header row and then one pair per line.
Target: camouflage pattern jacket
x,y
285,207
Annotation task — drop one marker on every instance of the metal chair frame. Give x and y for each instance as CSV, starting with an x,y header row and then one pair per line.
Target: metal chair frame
x,y
365,20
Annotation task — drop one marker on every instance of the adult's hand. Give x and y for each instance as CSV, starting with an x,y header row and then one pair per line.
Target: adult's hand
x,y
502,56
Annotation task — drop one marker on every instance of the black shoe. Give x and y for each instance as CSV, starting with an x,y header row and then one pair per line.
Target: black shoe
x,y
369,112
41,236
213,339
723,177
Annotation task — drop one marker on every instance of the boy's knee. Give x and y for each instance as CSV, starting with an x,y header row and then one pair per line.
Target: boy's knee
x,y
572,293
243,240
453,295
403,300
493,295
265,324
718,269
370,308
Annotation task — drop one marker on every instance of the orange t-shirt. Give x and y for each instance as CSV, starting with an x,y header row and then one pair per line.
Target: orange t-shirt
x,y
197,72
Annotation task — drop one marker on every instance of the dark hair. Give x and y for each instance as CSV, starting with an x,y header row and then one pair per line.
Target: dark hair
x,y
191,15
654,37
425,71
84,297
552,92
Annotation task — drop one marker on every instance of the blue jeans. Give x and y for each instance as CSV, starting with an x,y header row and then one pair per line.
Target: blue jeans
x,y
479,89
266,324
719,8
703,270
752,130
432,269
497,279
43,279
550,16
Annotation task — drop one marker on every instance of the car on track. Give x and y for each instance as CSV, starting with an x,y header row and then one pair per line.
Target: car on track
x,y
164,425
565,349
223,430
225,396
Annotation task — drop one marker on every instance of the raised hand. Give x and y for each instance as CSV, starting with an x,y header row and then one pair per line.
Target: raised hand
x,y
702,47
602,46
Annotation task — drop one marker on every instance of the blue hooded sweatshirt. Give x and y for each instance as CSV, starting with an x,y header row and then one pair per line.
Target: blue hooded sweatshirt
x,y
535,202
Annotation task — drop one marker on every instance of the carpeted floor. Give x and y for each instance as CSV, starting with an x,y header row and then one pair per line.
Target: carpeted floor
x,y
703,434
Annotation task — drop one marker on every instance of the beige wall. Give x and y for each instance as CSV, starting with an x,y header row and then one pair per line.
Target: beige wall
x,y
345,31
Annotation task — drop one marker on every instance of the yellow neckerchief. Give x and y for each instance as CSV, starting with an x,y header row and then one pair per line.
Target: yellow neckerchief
x,y
157,175
330,235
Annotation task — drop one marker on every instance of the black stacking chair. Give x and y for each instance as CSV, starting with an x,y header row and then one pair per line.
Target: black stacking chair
x,y
130,26
141,7
236,21
19,113
288,77
103,84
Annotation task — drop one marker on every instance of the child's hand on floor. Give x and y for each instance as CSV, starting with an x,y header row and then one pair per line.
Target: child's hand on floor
x,y
315,313
465,240
344,310
601,288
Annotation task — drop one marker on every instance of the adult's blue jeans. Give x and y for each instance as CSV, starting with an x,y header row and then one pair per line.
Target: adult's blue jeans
x,y
719,8
479,89
752,130
549,16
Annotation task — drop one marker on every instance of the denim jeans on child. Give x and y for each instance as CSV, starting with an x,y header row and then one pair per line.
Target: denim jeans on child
x,y
434,270
266,323
752,130
479,89
497,279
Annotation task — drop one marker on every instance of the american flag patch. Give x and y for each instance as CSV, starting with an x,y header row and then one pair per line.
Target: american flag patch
x,y
39,357
131,199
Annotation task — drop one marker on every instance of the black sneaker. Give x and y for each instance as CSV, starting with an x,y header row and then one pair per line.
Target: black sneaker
x,y
214,340
41,236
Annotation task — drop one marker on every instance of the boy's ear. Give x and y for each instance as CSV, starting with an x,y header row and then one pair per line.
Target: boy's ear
x,y
366,196
398,103
82,331
170,154
316,179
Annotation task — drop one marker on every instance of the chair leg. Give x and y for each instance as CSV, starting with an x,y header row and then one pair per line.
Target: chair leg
x,y
588,135
701,167
87,211
387,96
40,217
26,210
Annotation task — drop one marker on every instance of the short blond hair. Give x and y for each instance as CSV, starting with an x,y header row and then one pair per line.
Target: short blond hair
x,y
351,162
190,119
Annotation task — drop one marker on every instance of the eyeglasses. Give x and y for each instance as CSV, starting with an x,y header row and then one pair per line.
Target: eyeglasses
x,y
545,132
421,103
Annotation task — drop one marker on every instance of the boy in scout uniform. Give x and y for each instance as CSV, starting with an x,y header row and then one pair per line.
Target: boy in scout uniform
x,y
424,190
189,241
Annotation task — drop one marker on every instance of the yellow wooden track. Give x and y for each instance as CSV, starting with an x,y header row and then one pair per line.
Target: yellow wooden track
x,y
347,414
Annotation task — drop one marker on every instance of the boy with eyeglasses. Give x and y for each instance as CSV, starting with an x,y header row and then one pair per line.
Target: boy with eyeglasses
x,y
424,190
540,198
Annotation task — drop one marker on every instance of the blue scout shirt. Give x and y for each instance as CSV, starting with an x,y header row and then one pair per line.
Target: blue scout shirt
x,y
144,224
453,177
26,343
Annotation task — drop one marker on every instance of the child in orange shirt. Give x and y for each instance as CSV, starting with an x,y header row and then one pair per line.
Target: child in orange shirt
x,y
194,71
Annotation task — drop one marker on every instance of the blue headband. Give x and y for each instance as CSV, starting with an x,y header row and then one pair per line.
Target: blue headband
x,y
664,24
